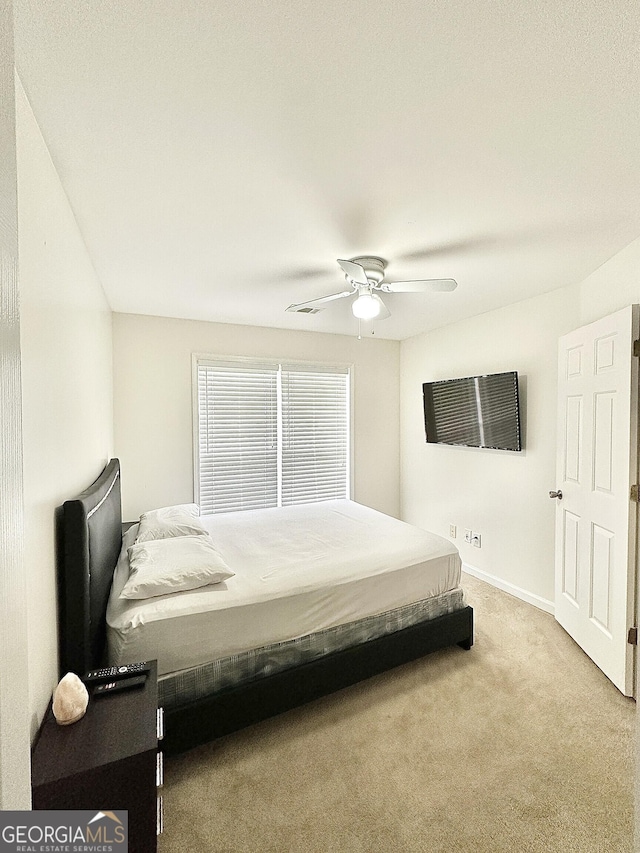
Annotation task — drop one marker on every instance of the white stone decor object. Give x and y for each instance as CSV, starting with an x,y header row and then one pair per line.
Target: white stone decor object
x,y
70,700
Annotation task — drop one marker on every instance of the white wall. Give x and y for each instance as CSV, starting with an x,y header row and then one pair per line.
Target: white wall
x,y
153,402
502,495
15,781
66,382
612,286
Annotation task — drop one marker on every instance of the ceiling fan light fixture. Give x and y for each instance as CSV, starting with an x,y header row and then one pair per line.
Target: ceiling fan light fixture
x,y
367,305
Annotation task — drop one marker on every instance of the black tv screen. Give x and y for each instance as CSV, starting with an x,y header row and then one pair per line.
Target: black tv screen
x,y
477,411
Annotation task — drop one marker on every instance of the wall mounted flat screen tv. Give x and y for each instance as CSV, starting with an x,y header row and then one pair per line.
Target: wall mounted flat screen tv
x,y
477,411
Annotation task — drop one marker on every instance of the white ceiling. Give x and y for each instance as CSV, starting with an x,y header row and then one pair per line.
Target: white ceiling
x,y
219,156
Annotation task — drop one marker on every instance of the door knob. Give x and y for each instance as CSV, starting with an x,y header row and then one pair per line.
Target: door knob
x,y
557,495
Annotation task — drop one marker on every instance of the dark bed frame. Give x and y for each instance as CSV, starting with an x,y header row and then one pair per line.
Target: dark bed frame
x,y
89,542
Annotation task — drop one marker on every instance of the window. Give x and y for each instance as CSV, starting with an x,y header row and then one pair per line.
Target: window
x,y
270,434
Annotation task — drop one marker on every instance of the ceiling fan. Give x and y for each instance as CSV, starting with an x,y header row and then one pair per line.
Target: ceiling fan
x,y
365,275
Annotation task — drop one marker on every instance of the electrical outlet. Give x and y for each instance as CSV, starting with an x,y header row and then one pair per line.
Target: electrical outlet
x,y
452,531
467,536
476,540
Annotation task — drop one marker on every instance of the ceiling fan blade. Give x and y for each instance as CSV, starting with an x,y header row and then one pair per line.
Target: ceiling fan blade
x,y
432,284
315,305
384,311
354,271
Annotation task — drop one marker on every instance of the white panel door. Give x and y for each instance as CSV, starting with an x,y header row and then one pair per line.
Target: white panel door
x,y
597,463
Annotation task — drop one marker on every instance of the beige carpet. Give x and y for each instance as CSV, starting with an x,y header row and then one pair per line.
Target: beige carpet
x,y
519,745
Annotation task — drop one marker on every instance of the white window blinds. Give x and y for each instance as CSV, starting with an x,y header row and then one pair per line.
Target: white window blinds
x,y
271,434
315,433
237,436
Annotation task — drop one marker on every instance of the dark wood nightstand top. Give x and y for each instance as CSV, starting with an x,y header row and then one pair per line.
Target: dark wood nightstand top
x,y
114,727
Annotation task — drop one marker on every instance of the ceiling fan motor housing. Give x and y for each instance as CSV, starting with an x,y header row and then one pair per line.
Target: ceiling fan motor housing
x,y
374,267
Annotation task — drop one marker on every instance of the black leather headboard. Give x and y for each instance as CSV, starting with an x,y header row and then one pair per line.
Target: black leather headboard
x,y
90,538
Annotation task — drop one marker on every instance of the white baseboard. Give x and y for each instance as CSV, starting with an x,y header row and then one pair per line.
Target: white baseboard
x,y
512,589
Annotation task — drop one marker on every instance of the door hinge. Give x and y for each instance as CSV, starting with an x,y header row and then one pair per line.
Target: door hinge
x,y
632,637
636,349
635,494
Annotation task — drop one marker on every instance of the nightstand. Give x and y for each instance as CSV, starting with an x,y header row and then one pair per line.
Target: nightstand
x,y
107,760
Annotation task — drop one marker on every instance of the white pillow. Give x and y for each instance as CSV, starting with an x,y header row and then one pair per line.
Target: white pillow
x,y
177,509
163,566
154,526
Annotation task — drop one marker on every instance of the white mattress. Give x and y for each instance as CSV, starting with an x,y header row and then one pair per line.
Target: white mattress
x,y
298,570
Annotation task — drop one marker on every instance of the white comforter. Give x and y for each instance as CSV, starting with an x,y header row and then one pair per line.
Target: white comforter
x,y
297,570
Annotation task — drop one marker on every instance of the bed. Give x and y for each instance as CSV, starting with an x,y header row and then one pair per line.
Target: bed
x,y
311,608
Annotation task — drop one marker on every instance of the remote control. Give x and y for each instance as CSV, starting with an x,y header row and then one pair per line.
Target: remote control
x,y
109,673
122,684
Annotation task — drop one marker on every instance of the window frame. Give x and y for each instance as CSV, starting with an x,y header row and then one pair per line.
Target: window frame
x,y
199,357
